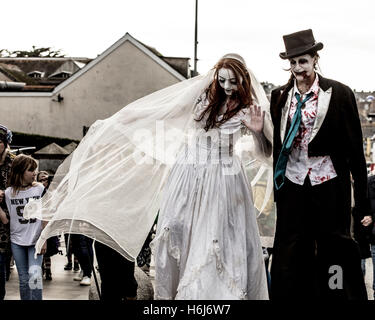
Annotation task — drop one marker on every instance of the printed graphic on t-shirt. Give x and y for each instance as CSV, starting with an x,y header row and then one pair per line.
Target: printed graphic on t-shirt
x,y
20,205
22,231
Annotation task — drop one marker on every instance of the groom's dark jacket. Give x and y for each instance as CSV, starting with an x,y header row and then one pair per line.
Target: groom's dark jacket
x,y
336,133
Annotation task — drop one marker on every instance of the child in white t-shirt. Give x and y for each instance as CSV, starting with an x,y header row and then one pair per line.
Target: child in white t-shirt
x,y
24,233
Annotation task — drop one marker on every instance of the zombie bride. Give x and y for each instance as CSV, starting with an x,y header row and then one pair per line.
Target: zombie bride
x,y
180,150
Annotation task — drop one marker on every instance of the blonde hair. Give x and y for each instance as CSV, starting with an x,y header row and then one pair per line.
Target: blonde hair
x,y
20,164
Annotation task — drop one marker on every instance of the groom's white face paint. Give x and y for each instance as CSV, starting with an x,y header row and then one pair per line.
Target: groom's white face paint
x,y
227,81
302,67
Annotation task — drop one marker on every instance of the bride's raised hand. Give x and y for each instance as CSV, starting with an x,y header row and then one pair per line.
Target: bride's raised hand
x,y
255,119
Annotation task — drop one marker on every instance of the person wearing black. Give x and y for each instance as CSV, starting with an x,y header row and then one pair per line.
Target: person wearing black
x,y
82,249
53,243
116,273
69,254
317,145
366,235
6,159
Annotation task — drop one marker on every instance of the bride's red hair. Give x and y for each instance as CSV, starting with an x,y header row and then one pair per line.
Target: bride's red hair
x,y
216,95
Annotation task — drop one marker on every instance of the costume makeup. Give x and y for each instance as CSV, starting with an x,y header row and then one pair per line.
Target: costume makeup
x,y
302,67
227,80
317,147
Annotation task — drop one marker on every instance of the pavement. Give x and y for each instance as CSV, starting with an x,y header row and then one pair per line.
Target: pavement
x,y
368,279
62,286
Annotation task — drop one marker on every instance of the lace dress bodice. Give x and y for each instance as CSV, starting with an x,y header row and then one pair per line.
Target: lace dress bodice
x,y
216,144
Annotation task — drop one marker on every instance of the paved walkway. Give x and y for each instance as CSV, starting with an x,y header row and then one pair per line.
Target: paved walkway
x,y
368,279
62,286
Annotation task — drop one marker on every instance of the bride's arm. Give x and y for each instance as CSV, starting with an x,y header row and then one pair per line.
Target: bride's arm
x,y
254,121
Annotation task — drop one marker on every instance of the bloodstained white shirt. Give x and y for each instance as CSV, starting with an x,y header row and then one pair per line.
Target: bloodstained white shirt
x,y
319,169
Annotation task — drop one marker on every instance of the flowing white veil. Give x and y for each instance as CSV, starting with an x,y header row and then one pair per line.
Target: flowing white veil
x,y
110,187
259,169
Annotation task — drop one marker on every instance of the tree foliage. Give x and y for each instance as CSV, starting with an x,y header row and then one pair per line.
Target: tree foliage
x,y
42,52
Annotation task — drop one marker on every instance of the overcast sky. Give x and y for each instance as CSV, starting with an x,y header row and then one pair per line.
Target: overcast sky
x,y
254,29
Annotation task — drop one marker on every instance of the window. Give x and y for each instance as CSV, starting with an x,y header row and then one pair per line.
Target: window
x,y
35,74
60,75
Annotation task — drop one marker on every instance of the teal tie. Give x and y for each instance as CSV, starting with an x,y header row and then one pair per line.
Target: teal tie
x,y
287,145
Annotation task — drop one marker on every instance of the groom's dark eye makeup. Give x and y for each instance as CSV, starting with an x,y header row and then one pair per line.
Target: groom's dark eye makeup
x,y
300,61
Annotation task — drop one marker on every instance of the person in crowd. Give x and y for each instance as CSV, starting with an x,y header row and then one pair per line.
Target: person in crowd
x,y
118,282
53,242
82,249
317,143
6,159
70,256
116,274
43,178
365,236
24,233
144,256
207,244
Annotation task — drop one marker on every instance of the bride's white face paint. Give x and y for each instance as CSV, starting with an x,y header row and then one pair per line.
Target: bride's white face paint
x,y
227,81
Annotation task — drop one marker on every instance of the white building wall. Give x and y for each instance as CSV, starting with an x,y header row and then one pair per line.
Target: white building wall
x,y
123,76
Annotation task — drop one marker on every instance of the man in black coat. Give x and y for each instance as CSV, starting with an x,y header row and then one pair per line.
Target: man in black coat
x,y
317,145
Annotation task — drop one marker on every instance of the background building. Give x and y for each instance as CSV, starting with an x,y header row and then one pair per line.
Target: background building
x,y
59,98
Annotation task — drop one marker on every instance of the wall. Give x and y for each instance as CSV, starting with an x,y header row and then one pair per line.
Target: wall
x,y
123,76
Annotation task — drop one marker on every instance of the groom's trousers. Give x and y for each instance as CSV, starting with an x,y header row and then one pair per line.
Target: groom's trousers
x,y
314,255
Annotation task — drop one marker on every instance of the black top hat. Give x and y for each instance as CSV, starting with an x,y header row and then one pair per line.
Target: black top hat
x,y
299,43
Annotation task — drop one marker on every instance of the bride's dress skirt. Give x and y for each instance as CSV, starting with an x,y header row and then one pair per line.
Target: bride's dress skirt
x,y
207,244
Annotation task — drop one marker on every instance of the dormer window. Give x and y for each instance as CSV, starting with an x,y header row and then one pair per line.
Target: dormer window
x,y
36,74
61,75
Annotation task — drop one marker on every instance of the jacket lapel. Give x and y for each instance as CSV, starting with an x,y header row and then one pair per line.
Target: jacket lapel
x,y
324,98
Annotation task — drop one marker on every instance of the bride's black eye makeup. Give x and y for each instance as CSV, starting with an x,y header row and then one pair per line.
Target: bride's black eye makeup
x,y
232,81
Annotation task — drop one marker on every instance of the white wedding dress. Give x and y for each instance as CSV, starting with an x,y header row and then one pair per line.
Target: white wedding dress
x,y
129,166
207,244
